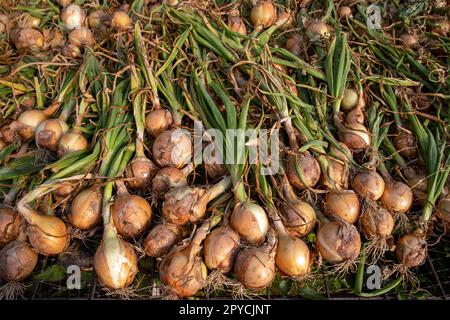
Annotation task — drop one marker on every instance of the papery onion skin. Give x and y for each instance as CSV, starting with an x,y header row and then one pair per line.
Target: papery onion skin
x,y
97,18
73,17
337,174
121,21
443,210
48,235
406,144
86,209
250,221
411,250
27,123
294,45
369,185
131,215
344,12
27,38
343,205
349,100
318,30
185,204
293,256
10,222
377,222
263,14
338,241
166,179
309,167
162,238
299,218
236,24
158,121
81,37
49,133
8,135
355,136
220,248
17,261
397,196
71,142
64,189
172,148
139,173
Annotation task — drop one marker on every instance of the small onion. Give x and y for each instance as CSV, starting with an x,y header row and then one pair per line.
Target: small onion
x,y
157,121
64,189
121,21
406,144
308,166
377,222
443,210
47,234
98,18
172,148
71,51
86,209
284,20
236,24
73,17
70,142
28,122
397,196
220,248
411,250
250,221
10,222
139,173
8,135
343,205
214,165
81,37
162,238
345,12
166,179
369,185
349,99
115,261
17,261
409,40
338,241
293,257
263,14
294,44
49,133
316,31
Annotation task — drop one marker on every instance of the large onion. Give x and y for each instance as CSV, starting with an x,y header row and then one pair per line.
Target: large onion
x,y
158,121
250,221
47,234
411,250
49,133
162,238
397,196
355,136
10,222
309,168
263,14
27,38
70,142
139,173
73,17
343,205
86,209
17,261
369,185
168,178
338,241
377,222
172,148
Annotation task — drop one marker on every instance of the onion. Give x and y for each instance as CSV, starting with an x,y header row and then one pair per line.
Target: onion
x,y
131,214
70,142
369,185
172,148
255,266
377,222
406,144
409,40
81,37
4,23
64,3
443,210
98,18
10,222
337,174
139,173
47,234
317,31
397,196
187,204
338,154
293,257
157,121
17,261
285,20
236,24
73,17
338,241
7,135
355,136
411,250
343,205
250,221
294,45
345,12
214,166
309,168
86,209
115,261
71,51
30,21
263,14
64,189
121,21
349,99
168,178
49,133
124,7
162,238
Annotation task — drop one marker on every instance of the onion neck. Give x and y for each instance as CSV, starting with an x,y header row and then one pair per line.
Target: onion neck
x,y
121,188
219,188
49,111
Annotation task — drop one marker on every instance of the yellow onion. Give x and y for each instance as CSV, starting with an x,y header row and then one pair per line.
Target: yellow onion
x,y
47,234
139,173
285,20
172,148
157,121
166,179
73,17
335,152
409,40
115,261
293,257
255,266
343,205
70,142
5,23
344,12
162,238
49,133
71,51
337,174
236,24
64,189
97,18
121,21
263,14
309,168
214,166
294,44
7,135
369,185
406,144
86,209
443,210
317,30
411,250
250,221
355,136
81,37
397,196
338,241
131,214
377,222
17,261
10,222
349,99
220,248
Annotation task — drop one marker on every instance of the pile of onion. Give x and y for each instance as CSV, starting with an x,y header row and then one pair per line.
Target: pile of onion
x,y
162,238
86,209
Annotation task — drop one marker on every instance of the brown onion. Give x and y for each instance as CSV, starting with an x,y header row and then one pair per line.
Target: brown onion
x,y
263,14
293,257
309,168
71,51
86,209
214,165
337,174
17,261
27,38
73,17
49,133
397,196
344,12
8,135
64,189
250,221
409,40
411,250
72,141
10,222
355,136
120,20
172,148
98,18
236,24
369,185
338,154
139,173
343,205
294,44
166,179
157,121
162,238
406,144
443,210
317,31
338,241
81,37
377,222
220,248
285,20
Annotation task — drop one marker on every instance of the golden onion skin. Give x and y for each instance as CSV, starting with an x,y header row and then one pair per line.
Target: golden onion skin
x,y
158,121
250,221
411,251
309,168
139,173
263,14
343,205
64,189
220,248
255,268
162,238
49,132
17,261
355,136
377,222
349,100
369,185
344,12
397,196
86,209
48,235
166,179
299,218
172,148
293,256
131,215
317,31
10,222
81,37
71,142
27,123
236,24
27,38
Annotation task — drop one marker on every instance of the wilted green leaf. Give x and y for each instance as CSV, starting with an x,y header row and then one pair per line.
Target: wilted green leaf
x,y
53,273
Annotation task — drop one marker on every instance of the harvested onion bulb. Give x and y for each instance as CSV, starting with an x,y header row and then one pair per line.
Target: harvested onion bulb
x,y
172,148
81,37
236,24
162,238
139,173
377,222
406,144
369,185
343,205
27,38
168,178
411,250
73,17
349,100
157,121
317,30
263,14
49,133
72,141
121,21
397,196
10,222
309,168
86,209
250,221
17,261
